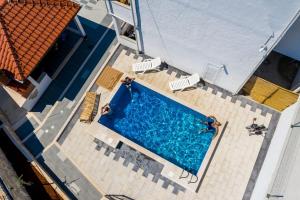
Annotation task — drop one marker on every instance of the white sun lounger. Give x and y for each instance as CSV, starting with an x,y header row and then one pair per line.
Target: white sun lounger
x,y
148,64
184,83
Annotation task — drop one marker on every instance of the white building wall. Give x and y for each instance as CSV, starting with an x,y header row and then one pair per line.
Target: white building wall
x,y
34,96
189,34
37,92
121,11
275,153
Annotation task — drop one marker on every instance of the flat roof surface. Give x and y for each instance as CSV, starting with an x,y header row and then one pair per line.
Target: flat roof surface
x,y
192,34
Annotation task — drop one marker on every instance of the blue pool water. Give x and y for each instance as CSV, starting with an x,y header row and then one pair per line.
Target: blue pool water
x,y
161,125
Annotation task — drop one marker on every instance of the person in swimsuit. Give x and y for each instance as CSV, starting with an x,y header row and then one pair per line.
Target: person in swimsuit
x,y
211,124
127,81
105,110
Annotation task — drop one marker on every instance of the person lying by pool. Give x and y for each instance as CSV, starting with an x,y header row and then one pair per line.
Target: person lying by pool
x,y
211,124
105,109
127,81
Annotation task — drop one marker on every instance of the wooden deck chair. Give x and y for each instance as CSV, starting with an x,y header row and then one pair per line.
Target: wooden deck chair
x,y
90,107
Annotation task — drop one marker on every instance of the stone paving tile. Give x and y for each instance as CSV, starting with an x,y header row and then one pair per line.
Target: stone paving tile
x,y
120,176
140,162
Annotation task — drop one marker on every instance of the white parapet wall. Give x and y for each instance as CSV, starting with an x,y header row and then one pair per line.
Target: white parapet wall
x,y
19,99
34,96
121,11
275,153
37,92
127,42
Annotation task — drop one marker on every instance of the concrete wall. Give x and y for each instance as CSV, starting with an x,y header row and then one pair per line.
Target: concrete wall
x,y
8,177
37,92
275,152
128,42
189,34
122,11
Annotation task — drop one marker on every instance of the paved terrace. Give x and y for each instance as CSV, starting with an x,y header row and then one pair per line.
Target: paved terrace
x,y
231,172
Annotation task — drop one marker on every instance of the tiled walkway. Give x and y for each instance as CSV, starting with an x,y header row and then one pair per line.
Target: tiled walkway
x,y
233,165
116,176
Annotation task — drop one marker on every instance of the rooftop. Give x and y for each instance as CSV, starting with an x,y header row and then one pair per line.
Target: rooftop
x,y
28,29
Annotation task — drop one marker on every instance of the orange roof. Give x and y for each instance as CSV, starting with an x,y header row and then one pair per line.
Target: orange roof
x,y
28,28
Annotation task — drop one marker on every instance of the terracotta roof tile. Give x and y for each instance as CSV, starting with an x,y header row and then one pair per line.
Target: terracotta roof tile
x,y
2,2
28,28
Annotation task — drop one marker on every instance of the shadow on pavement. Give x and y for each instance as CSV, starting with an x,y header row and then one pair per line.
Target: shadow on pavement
x,y
60,83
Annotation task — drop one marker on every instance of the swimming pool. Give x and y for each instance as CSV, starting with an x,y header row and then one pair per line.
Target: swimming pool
x,y
161,125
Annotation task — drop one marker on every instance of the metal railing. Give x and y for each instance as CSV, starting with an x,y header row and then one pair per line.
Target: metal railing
x,y
187,175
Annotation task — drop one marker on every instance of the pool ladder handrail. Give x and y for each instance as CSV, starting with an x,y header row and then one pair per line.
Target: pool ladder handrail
x,y
190,181
181,175
188,174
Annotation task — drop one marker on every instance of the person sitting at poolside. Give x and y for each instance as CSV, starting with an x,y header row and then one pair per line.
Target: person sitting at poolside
x,y
105,109
211,123
216,125
127,81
